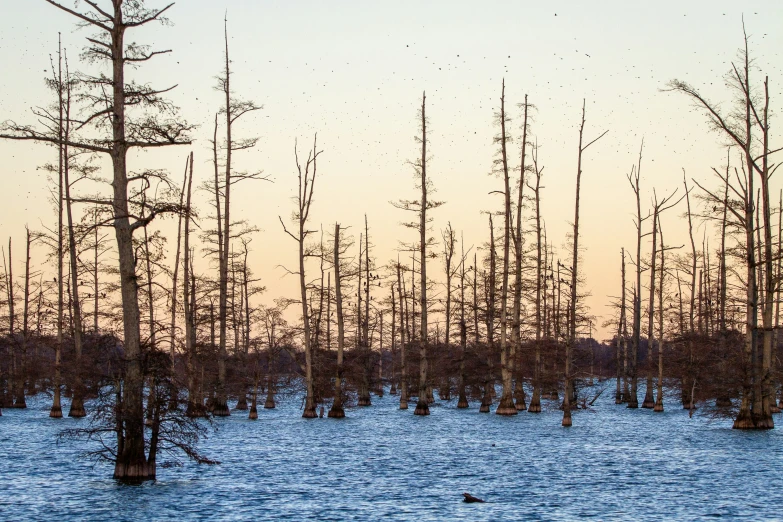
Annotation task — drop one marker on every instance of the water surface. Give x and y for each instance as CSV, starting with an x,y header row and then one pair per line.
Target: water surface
x,y
381,463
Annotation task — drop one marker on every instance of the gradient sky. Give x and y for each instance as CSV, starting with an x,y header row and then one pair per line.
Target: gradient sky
x,y
354,72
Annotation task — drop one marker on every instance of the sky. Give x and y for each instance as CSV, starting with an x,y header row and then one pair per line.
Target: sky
x,y
354,72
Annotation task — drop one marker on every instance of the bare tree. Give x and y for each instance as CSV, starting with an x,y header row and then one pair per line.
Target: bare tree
x,y
336,411
571,340
506,406
421,207
304,199
738,127
119,132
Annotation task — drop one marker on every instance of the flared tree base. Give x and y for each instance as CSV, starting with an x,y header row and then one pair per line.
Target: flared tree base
x,y
519,404
253,414
422,408
77,409
56,412
723,402
269,404
393,390
241,404
336,412
566,418
535,404
649,401
309,413
403,403
633,402
658,405
134,472
462,403
744,421
220,408
506,407
364,401
763,422
20,402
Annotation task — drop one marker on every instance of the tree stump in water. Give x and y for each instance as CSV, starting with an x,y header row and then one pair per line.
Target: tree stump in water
x,y
471,499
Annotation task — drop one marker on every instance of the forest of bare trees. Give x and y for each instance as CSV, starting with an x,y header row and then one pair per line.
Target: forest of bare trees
x,y
151,345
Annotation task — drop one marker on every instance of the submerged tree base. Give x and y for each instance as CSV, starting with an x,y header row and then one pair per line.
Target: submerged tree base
x,y
506,407
462,403
566,417
220,408
422,408
134,472
535,403
658,405
649,401
56,412
309,413
77,408
743,422
763,422
336,411
241,403
364,400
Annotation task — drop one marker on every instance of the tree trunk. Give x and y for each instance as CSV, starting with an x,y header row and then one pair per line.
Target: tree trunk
x,y
336,411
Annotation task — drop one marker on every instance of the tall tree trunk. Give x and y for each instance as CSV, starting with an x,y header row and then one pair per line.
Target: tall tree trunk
x,y
403,365
77,402
535,401
506,406
56,411
422,408
516,319
649,400
336,411
659,399
619,357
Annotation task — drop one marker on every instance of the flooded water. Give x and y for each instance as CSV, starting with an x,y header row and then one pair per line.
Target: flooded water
x,y
381,463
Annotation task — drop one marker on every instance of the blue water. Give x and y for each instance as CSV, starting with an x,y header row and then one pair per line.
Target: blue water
x,y
381,463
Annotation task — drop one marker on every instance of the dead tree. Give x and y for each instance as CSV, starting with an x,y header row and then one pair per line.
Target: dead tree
x,y
516,318
449,242
421,207
304,199
633,179
232,111
535,401
403,330
336,411
112,97
571,340
506,405
758,393
658,208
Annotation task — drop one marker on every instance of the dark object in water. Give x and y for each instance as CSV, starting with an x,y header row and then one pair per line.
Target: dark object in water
x,y
470,498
